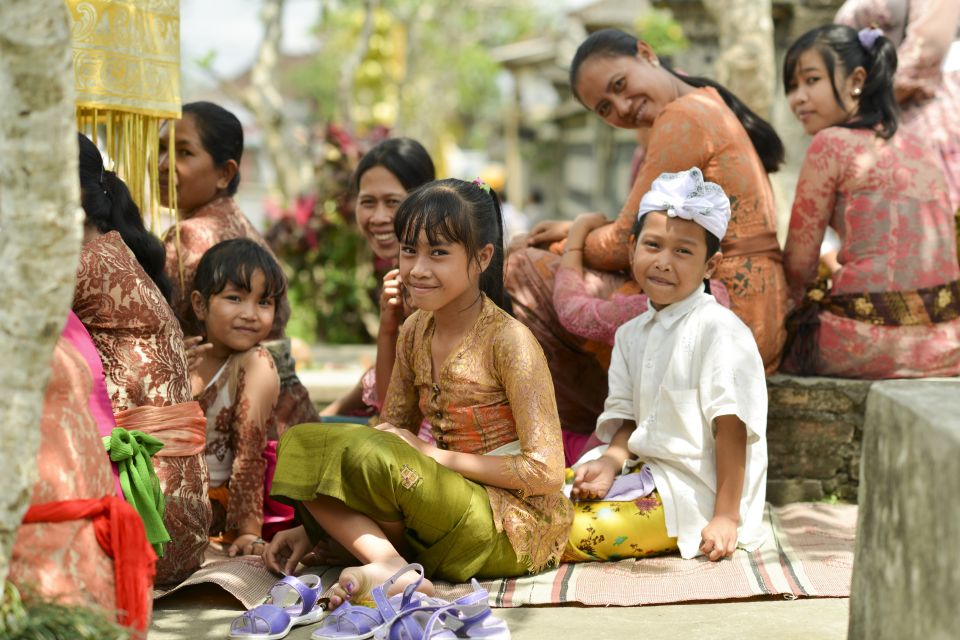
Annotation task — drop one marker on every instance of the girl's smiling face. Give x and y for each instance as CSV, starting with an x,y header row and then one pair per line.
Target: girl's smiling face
x,y
198,179
442,274
628,92
379,196
236,319
811,95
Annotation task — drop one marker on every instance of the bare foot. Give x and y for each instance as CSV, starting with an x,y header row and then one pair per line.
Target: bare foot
x,y
356,582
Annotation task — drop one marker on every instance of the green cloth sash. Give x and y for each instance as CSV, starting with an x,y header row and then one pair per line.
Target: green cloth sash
x,y
132,450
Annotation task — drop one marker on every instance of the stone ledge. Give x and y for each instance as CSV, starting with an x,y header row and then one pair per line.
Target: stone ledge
x,y
814,429
907,564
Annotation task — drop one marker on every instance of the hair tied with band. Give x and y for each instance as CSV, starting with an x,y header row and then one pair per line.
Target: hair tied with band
x,y
868,37
483,185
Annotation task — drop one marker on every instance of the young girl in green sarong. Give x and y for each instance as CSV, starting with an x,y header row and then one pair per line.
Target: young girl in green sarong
x,y
485,500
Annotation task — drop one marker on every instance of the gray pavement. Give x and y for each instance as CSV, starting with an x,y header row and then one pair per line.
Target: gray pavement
x,y
204,612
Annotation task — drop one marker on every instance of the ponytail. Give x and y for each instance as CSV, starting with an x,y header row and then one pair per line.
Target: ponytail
x,y
491,280
109,206
843,46
616,43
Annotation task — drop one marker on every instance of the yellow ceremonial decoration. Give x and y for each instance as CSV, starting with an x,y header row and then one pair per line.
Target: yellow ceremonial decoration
x,y
126,62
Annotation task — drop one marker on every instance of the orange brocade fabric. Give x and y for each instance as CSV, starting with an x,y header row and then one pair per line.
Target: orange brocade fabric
x,y
62,560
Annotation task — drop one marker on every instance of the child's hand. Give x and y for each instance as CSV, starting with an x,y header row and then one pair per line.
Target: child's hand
x,y
594,479
719,538
247,545
392,311
285,550
195,351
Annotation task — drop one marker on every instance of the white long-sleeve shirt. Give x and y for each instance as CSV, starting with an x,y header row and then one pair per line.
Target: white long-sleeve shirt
x,y
674,371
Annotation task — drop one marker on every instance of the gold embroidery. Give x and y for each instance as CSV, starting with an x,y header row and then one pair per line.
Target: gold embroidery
x,y
944,298
409,477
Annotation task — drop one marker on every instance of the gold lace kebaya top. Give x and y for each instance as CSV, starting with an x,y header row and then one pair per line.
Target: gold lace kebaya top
x,y
492,390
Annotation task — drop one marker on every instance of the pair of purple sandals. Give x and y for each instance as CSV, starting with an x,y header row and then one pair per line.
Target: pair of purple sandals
x,y
410,615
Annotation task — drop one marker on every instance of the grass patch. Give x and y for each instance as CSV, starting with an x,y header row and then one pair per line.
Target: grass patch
x,y
33,618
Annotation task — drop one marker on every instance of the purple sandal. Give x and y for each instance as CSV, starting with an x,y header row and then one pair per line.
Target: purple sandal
x,y
466,617
294,602
357,622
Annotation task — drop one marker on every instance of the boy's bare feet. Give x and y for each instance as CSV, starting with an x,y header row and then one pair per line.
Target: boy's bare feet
x,y
356,582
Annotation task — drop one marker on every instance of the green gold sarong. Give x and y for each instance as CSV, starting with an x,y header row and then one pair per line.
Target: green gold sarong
x,y
449,522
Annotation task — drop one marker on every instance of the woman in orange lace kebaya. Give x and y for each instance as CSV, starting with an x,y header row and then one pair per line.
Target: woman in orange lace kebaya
x,y
206,152
692,122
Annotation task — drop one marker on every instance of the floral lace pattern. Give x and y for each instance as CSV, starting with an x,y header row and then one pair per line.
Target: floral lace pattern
x,y
887,201
493,389
921,31
239,408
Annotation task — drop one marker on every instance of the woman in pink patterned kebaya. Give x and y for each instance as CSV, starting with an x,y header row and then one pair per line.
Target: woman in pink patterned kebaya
x,y
892,309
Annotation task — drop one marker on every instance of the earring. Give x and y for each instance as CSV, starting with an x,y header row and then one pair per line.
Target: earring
x,y
856,91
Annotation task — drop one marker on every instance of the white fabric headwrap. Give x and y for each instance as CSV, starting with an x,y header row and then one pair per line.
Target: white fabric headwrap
x,y
686,195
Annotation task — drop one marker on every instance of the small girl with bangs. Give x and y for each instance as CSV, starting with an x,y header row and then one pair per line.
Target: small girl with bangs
x,y
233,301
486,499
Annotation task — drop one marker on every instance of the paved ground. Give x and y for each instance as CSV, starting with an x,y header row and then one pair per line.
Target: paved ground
x,y
204,613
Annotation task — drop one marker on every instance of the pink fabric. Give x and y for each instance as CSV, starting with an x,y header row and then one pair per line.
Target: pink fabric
x,y
573,445
921,31
99,401
888,201
595,318
276,516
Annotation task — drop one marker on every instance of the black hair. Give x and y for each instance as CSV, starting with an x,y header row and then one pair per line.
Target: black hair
x,y
108,206
614,43
713,242
220,133
405,158
456,211
234,262
840,47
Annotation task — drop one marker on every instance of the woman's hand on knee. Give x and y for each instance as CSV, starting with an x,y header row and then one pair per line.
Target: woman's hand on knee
x,y
547,232
285,550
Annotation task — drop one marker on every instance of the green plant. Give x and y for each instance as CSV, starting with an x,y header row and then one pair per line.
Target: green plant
x,y
332,280
34,618
660,30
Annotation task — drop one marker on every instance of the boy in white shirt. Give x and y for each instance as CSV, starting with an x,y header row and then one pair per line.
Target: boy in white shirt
x,y
687,396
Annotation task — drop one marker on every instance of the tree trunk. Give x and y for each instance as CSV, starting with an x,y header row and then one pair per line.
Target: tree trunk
x,y
745,65
348,70
293,170
40,231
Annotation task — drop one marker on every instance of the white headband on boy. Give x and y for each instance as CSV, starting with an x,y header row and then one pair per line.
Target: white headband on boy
x,y
685,195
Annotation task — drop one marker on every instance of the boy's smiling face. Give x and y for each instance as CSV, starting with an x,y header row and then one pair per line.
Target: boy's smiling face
x,y
670,259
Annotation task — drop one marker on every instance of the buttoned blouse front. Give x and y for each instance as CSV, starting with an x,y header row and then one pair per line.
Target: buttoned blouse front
x,y
673,372
493,389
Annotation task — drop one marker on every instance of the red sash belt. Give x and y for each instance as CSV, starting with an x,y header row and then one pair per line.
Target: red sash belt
x,y
120,533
